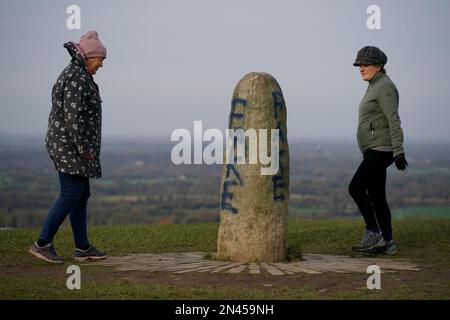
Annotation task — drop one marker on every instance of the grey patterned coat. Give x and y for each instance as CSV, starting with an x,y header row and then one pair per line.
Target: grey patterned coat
x,y
74,124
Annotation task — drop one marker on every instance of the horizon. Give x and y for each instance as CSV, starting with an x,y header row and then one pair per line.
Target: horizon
x,y
28,136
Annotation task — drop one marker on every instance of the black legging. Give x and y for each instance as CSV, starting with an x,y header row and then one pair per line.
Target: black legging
x,y
368,189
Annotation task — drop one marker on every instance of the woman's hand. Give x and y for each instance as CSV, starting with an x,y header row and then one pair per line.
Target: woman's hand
x,y
89,155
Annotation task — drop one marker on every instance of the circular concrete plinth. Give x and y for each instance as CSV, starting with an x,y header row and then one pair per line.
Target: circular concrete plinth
x,y
198,262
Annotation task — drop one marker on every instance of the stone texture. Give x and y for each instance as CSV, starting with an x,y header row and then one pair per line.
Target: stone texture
x,y
271,269
238,269
254,207
253,268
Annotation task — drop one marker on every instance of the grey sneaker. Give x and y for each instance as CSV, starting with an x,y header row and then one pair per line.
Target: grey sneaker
x,y
390,248
47,253
370,241
90,254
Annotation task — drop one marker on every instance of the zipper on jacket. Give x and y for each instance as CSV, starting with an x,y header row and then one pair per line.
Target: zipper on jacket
x,y
372,127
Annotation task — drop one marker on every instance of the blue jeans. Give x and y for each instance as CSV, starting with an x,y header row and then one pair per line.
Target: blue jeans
x,y
72,201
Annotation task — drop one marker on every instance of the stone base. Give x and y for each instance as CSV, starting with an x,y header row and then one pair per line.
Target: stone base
x,y
197,262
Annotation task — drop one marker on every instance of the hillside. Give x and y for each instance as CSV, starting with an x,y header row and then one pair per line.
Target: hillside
x,y
426,242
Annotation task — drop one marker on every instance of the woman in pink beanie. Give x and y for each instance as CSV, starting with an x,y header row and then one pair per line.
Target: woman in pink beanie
x,y
93,50
73,143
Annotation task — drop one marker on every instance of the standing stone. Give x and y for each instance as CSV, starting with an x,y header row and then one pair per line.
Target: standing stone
x,y
254,207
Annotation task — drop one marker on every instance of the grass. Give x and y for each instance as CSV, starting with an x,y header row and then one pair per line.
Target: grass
x,y
424,241
120,240
48,288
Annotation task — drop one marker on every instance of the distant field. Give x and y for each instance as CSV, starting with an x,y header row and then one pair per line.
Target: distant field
x,y
141,185
397,213
118,198
142,182
5,181
429,170
416,212
296,212
103,182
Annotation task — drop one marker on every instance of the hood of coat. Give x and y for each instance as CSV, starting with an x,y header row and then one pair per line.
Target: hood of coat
x,y
76,53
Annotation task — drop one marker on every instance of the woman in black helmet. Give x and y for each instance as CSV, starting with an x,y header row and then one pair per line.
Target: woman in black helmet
x,y
380,139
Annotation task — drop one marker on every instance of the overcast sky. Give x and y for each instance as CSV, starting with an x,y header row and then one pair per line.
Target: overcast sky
x,y
171,62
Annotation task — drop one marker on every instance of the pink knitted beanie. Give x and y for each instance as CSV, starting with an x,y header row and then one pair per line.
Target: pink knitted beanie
x,y
91,45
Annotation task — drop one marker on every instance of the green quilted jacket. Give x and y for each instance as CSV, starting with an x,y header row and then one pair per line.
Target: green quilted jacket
x,y
379,121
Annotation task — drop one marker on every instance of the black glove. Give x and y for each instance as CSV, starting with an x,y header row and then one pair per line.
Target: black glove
x,y
400,162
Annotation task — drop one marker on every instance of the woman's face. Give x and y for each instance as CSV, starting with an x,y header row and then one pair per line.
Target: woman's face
x,y
368,71
93,64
